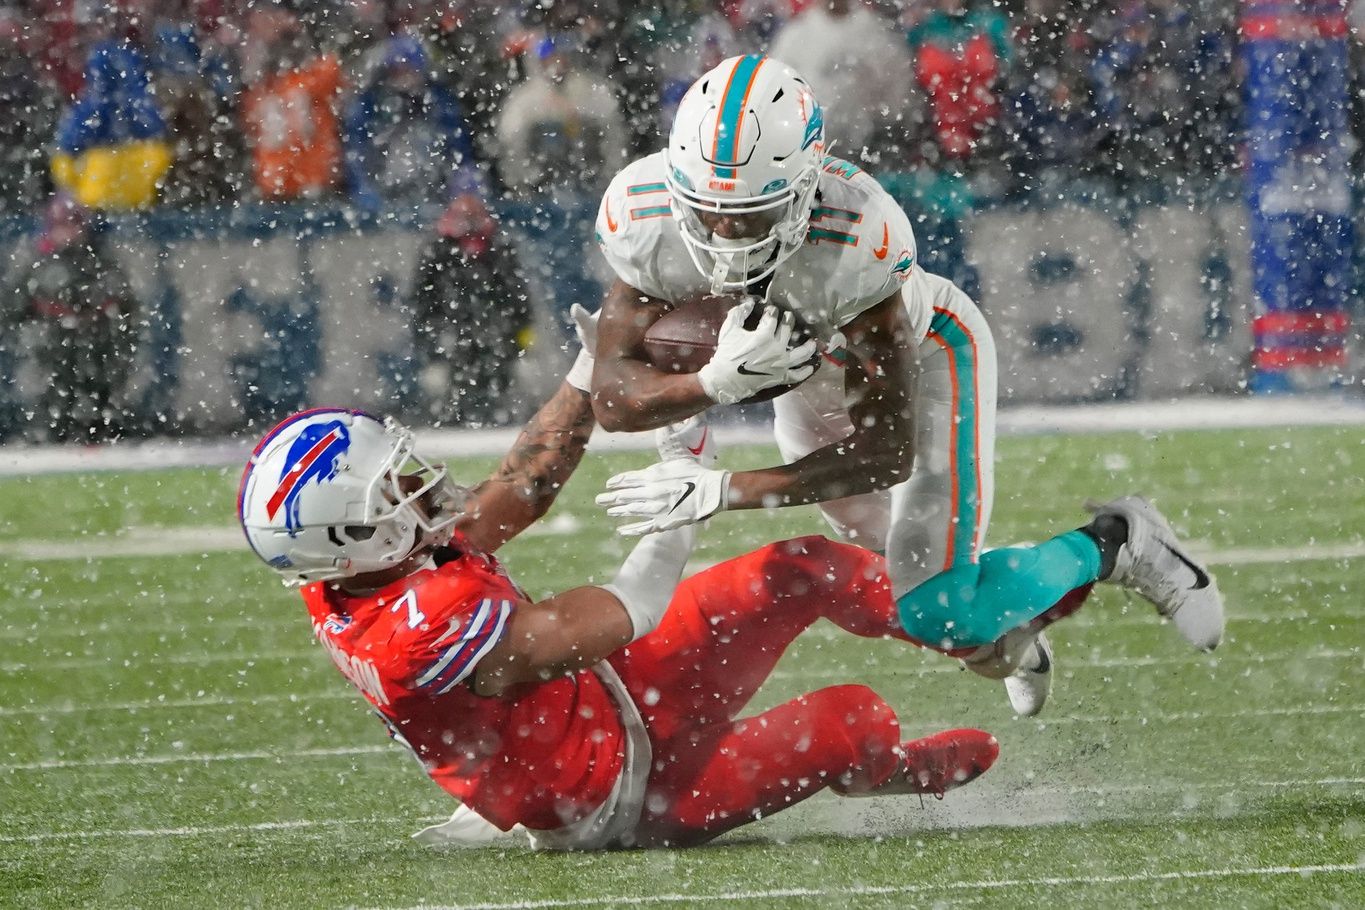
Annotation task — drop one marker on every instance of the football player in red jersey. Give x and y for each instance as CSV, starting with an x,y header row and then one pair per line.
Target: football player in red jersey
x,y
605,715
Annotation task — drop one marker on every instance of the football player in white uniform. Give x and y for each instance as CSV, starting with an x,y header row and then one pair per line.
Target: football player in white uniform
x,y
894,432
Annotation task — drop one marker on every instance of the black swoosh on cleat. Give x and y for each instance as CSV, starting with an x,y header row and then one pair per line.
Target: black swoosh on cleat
x,y
743,370
686,493
1044,663
1201,578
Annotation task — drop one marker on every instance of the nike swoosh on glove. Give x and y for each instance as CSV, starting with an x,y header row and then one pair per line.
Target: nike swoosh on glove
x,y
664,496
748,361
585,326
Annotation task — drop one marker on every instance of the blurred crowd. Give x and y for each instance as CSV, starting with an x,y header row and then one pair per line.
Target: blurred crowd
x,y
131,103
451,112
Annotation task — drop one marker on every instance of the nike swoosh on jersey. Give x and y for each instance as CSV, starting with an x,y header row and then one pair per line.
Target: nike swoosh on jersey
x,y
1201,578
743,370
683,498
881,251
606,209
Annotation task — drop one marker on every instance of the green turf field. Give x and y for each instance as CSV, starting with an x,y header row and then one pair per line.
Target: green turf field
x,y
170,735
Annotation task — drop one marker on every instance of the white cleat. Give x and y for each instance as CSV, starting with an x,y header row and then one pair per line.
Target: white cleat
x,y
691,439
1022,659
1156,565
1029,686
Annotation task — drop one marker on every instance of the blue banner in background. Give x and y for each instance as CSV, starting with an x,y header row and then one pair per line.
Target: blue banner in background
x,y
1298,187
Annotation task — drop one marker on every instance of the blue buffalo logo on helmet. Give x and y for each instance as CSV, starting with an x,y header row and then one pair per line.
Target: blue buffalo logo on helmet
x,y
315,455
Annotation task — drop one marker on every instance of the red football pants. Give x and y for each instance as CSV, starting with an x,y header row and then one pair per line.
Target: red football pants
x,y
723,634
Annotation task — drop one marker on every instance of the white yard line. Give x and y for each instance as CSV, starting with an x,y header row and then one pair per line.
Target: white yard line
x,y
347,694
385,748
190,540
198,757
146,660
340,693
1253,556
317,657
202,830
273,625
745,897
1195,413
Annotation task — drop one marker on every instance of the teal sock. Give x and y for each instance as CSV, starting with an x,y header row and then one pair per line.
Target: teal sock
x,y
974,604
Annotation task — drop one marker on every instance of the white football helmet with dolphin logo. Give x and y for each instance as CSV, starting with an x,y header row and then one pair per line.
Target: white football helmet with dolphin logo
x,y
748,140
321,498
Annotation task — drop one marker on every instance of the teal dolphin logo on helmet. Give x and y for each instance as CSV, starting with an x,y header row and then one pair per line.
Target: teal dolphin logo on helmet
x,y
815,128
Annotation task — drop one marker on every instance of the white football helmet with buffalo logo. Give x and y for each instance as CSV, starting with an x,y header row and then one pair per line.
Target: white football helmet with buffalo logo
x,y
748,139
321,497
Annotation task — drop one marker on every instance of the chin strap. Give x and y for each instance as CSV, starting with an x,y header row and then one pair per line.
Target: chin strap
x,y
720,272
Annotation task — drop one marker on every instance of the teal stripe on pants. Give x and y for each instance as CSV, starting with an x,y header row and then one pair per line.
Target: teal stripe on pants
x,y
961,353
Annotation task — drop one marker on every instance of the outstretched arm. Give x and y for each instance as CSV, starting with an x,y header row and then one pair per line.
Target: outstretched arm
x,y
533,471
576,629
559,635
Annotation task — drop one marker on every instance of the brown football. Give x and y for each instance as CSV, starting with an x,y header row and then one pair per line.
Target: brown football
x,y
683,340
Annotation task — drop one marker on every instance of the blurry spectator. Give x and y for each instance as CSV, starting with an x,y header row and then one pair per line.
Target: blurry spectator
x,y
1050,124
112,145
561,137
857,66
471,316
30,105
207,145
960,56
1166,92
58,56
757,21
683,57
665,47
937,203
469,45
68,282
561,127
405,132
593,24
290,115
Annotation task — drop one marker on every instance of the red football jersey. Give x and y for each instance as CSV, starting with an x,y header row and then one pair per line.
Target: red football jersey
x,y
542,755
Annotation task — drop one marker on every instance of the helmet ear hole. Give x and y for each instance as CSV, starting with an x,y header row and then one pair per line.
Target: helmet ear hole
x,y
359,532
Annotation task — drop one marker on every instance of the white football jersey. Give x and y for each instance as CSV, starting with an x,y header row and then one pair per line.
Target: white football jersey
x,y
859,250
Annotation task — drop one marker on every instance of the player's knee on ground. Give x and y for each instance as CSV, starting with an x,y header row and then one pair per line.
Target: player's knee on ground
x,y
870,732
845,737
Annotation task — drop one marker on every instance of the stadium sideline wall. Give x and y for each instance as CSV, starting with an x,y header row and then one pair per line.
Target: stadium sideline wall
x,y
259,311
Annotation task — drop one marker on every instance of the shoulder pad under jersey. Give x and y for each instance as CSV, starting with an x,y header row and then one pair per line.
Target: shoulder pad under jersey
x,y
631,221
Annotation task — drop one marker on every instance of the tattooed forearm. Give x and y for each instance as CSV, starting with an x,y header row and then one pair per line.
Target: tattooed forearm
x,y
532,472
548,449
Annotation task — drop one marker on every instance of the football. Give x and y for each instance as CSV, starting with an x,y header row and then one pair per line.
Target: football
x,y
684,339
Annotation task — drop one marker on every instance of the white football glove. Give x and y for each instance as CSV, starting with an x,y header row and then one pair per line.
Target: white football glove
x,y
747,362
585,326
667,495
690,439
